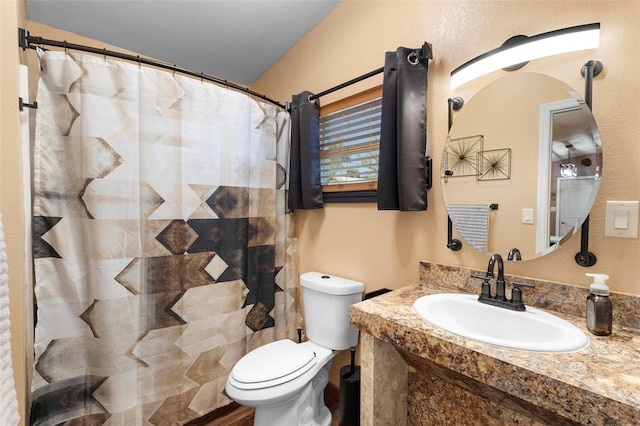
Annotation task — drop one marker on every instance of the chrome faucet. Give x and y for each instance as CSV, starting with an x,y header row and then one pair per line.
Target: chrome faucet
x,y
500,298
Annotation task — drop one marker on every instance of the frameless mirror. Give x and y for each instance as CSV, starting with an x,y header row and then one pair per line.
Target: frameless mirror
x,y
521,166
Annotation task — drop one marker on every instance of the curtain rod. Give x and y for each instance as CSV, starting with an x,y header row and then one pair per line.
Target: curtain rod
x,y
417,55
347,83
25,41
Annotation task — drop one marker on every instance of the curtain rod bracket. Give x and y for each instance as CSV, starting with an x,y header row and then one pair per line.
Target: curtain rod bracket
x,y
22,105
426,52
23,40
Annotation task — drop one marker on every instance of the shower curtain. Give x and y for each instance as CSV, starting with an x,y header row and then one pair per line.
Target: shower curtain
x,y
162,249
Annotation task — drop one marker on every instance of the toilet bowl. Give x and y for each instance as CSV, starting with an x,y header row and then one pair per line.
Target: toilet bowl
x,y
290,398
284,381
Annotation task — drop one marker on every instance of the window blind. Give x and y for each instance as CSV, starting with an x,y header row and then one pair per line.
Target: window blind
x,y
349,144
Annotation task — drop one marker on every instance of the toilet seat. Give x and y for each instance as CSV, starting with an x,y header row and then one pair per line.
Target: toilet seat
x,y
272,364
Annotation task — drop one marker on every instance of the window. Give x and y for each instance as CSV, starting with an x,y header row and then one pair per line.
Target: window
x,y
349,147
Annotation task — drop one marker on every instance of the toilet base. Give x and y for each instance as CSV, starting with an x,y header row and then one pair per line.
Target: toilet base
x,y
307,408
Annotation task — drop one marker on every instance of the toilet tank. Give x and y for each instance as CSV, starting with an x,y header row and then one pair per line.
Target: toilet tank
x,y
326,300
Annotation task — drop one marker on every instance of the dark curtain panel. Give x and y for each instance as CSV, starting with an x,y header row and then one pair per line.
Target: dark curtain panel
x,y
402,177
305,190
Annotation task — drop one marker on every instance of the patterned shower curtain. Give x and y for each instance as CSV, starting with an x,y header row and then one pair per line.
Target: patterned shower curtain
x,y
162,249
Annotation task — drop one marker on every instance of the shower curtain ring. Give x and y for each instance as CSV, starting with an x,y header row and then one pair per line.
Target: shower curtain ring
x,y
66,49
174,70
201,77
139,61
104,52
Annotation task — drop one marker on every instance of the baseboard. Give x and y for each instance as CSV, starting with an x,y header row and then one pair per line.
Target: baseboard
x,y
331,395
223,415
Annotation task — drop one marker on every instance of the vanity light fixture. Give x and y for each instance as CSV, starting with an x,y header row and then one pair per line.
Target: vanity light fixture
x,y
520,49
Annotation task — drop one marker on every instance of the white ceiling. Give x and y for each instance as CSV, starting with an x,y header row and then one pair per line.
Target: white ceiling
x,y
237,40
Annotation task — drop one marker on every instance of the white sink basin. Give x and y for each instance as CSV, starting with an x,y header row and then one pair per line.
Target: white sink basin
x,y
532,330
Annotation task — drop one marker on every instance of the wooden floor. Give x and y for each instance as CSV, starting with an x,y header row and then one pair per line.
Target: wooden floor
x,y
237,415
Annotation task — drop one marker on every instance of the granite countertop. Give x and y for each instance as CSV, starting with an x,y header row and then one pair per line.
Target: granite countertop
x,y
600,382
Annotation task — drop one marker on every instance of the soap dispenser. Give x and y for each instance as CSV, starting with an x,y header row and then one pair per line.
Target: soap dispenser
x,y
599,306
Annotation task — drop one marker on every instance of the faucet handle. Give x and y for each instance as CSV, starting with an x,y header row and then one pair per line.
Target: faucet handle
x,y
486,287
516,294
517,284
482,277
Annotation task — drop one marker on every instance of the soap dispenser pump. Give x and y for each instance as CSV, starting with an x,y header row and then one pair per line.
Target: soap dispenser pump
x,y
599,306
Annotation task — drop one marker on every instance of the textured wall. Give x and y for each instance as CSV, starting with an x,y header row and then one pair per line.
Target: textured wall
x,y
382,249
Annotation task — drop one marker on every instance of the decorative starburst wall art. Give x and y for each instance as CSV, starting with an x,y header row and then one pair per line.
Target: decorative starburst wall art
x,y
494,164
460,157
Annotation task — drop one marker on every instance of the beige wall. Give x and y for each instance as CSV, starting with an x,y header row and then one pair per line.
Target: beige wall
x,y
12,15
383,248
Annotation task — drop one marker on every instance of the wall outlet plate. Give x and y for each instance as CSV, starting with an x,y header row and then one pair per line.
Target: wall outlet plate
x,y
621,219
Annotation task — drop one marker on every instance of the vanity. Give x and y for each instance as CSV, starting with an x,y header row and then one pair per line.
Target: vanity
x,y
414,373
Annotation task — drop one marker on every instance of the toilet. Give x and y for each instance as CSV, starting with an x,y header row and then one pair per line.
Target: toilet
x,y
284,381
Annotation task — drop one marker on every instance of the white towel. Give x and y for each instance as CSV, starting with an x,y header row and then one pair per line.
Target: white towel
x,y
8,402
472,222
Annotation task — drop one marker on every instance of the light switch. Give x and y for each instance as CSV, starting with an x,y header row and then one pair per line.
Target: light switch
x,y
527,216
621,219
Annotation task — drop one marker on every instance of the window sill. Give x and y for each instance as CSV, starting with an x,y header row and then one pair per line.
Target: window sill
x,y
351,197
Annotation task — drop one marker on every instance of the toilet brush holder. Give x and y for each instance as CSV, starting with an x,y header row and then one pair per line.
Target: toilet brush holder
x,y
349,408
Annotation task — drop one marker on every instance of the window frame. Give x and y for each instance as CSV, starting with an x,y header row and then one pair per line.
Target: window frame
x,y
360,192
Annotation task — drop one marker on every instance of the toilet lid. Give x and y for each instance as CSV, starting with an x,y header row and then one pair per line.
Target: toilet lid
x,y
273,364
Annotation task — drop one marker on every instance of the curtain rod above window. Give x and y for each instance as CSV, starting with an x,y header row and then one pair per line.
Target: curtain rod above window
x,y
415,56
27,41
347,83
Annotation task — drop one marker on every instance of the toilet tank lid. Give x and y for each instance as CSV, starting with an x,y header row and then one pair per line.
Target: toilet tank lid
x,y
330,284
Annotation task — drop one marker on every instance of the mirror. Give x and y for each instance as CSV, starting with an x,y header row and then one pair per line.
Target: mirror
x,y
521,166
